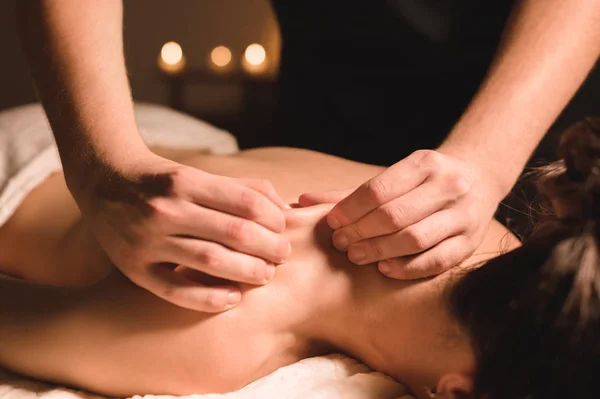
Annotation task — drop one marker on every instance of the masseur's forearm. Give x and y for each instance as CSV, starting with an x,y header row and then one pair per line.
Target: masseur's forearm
x,y
548,48
75,51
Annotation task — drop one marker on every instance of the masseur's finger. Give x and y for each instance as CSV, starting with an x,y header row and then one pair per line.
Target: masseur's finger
x,y
218,261
234,232
395,181
412,240
176,288
327,197
307,215
266,188
230,196
436,260
394,215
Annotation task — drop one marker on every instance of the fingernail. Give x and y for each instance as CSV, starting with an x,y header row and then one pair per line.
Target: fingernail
x,y
340,241
357,254
233,297
385,267
285,251
334,222
269,272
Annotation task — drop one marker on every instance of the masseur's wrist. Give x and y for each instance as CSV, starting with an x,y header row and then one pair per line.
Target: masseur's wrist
x,y
498,181
88,165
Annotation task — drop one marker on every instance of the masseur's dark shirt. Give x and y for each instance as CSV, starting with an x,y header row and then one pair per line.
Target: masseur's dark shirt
x,y
374,80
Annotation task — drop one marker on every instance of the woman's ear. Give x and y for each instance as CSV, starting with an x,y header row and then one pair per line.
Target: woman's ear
x,y
455,386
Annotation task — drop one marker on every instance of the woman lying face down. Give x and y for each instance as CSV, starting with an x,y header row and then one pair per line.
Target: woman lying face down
x,y
460,334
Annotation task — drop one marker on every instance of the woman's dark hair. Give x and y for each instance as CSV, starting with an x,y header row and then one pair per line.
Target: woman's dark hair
x,y
533,314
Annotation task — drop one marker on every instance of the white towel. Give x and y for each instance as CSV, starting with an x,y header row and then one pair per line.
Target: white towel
x,y
325,377
28,152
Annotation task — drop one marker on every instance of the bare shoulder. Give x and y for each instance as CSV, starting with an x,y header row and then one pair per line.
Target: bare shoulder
x,y
292,171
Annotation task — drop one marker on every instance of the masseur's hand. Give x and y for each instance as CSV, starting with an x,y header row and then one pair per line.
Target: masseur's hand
x,y
157,215
418,218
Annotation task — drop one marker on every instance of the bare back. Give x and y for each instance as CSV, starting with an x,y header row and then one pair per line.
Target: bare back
x,y
124,328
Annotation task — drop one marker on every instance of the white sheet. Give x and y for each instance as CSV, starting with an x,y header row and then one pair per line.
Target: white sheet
x,y
28,155
326,377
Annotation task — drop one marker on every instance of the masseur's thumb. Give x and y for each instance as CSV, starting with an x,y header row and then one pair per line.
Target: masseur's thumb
x,y
327,197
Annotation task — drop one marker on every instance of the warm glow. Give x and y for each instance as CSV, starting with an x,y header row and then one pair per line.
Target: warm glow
x,y
255,54
171,53
220,56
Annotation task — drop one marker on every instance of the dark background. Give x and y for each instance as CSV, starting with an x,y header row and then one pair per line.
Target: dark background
x,y
198,25
243,105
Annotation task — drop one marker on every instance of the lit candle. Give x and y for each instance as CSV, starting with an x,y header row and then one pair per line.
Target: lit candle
x,y
255,59
171,59
220,59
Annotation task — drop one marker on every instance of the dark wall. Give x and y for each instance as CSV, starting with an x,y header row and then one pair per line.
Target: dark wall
x,y
198,25
15,86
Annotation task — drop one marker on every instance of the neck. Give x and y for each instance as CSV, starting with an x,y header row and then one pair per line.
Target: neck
x,y
401,328
343,305
335,302
393,326
360,308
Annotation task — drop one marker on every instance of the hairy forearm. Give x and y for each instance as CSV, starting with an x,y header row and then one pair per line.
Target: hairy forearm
x,y
75,52
547,50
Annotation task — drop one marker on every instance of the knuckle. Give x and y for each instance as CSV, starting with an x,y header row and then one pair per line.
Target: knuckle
x,y
160,209
431,159
212,300
377,190
179,174
417,238
210,258
376,249
238,230
438,263
394,215
250,202
357,233
265,184
178,178
458,184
